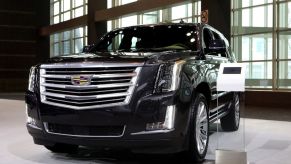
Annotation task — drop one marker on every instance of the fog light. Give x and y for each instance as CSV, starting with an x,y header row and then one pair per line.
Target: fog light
x,y
168,124
29,120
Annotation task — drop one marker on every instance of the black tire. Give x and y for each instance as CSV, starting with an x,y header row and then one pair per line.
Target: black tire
x,y
62,148
194,153
230,122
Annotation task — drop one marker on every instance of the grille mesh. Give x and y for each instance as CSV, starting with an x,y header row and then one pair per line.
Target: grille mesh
x,y
79,87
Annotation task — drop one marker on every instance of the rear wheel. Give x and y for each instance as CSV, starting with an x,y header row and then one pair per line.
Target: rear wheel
x,y
231,121
199,125
62,148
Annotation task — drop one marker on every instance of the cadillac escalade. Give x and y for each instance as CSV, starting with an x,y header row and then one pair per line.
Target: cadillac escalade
x,y
147,88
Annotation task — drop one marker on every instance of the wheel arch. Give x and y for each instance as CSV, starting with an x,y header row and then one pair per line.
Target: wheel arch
x,y
204,89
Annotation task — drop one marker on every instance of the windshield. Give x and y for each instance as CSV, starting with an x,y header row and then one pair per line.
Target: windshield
x,y
149,39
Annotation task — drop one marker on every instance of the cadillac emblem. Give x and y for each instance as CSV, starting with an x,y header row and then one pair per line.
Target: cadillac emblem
x,y
81,80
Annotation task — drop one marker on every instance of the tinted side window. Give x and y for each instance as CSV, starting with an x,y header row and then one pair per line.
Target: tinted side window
x,y
217,37
207,37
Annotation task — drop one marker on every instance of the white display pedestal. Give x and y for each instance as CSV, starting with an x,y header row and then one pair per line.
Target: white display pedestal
x,y
231,78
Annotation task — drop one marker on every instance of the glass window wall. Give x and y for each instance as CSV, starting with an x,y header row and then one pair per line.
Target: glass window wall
x,y
68,42
188,12
262,39
63,10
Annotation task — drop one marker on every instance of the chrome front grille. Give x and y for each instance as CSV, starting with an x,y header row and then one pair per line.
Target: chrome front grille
x,y
88,85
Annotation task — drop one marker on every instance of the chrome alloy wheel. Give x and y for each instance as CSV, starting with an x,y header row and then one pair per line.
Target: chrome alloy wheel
x,y
237,112
201,128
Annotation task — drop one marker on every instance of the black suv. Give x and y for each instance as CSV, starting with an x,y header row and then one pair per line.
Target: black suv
x,y
149,88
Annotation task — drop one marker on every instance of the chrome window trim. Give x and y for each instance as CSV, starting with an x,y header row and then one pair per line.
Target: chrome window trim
x,y
152,132
87,136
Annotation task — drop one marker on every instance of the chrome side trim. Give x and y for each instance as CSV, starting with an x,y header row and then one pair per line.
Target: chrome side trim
x,y
152,132
217,108
91,65
215,96
46,129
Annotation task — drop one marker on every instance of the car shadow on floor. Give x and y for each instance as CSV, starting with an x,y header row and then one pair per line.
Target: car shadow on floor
x,y
125,157
12,96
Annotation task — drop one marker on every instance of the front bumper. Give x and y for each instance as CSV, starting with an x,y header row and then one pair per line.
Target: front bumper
x,y
133,117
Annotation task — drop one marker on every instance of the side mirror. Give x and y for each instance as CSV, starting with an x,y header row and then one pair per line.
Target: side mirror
x,y
88,48
217,45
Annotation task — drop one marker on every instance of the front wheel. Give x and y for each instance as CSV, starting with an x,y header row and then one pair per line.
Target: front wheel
x,y
199,125
230,122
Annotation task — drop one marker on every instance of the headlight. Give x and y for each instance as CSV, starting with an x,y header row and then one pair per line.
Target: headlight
x,y
31,80
168,78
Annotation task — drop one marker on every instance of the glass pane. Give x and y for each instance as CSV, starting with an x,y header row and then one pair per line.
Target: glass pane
x,y
253,47
56,19
129,21
66,5
79,12
259,75
258,47
246,49
179,12
109,26
285,45
270,16
67,35
79,32
127,1
56,48
246,17
66,16
258,11
189,20
66,47
285,15
285,74
79,45
86,41
56,8
245,3
109,4
78,3
189,10
258,2
150,18
56,37
86,30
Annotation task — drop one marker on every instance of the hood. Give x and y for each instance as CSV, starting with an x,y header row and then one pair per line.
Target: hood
x,y
139,57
